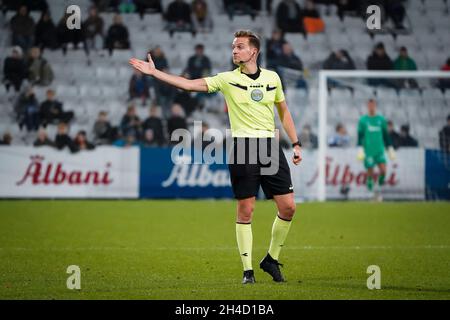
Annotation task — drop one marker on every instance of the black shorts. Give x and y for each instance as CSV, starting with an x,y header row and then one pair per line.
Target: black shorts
x,y
270,171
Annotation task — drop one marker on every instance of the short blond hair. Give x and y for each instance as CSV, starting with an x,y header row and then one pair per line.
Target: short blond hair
x,y
253,38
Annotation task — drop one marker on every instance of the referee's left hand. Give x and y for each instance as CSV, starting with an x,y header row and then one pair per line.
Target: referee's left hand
x,y
297,157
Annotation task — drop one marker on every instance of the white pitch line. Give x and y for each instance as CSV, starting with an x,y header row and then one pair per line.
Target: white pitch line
x,y
422,247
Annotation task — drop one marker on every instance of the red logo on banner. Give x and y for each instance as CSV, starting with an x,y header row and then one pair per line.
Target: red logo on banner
x,y
337,174
49,173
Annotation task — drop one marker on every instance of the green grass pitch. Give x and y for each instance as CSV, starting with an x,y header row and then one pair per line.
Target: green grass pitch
x,y
187,250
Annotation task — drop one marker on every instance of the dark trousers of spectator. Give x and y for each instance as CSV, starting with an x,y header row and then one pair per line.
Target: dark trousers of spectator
x,y
185,27
30,119
383,82
17,83
65,117
444,84
396,11
245,9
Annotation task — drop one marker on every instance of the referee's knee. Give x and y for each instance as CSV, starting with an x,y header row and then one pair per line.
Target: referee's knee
x,y
245,212
287,211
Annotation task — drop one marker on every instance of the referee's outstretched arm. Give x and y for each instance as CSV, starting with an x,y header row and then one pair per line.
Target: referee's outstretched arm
x,y
197,85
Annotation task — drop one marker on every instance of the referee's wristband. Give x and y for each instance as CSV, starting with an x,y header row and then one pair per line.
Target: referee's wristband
x,y
298,143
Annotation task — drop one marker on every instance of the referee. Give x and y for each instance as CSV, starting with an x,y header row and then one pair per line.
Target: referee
x,y
250,93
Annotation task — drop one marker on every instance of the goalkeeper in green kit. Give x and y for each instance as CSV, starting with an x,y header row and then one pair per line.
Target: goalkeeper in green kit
x,y
373,139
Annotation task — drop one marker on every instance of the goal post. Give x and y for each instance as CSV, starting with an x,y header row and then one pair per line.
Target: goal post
x,y
323,102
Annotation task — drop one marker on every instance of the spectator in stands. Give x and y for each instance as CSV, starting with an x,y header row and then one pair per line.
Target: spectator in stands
x,y
51,111
118,36
395,10
43,139
444,137
153,128
187,101
46,35
445,83
40,71
14,69
405,63
127,141
131,124
346,7
178,17
102,129
308,138
22,27
199,65
27,110
164,93
339,60
81,143
201,18
340,139
139,87
93,29
6,140
69,38
395,137
153,6
274,48
62,138
249,7
289,16
177,120
406,140
290,60
379,60
127,6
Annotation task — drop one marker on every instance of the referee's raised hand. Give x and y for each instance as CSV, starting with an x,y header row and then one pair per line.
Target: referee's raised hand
x,y
142,66
297,157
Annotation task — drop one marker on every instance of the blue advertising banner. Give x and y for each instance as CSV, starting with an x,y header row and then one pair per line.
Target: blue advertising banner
x,y
437,175
160,177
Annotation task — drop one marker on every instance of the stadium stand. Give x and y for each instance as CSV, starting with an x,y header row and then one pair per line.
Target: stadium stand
x,y
88,82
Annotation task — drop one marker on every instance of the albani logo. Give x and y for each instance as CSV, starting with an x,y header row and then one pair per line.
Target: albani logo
x,y
39,172
196,175
341,174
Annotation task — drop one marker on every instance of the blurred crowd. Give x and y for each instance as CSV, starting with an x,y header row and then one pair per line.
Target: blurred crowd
x,y
26,63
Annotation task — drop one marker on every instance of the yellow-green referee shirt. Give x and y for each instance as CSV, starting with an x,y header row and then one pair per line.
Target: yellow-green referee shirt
x,y
250,102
